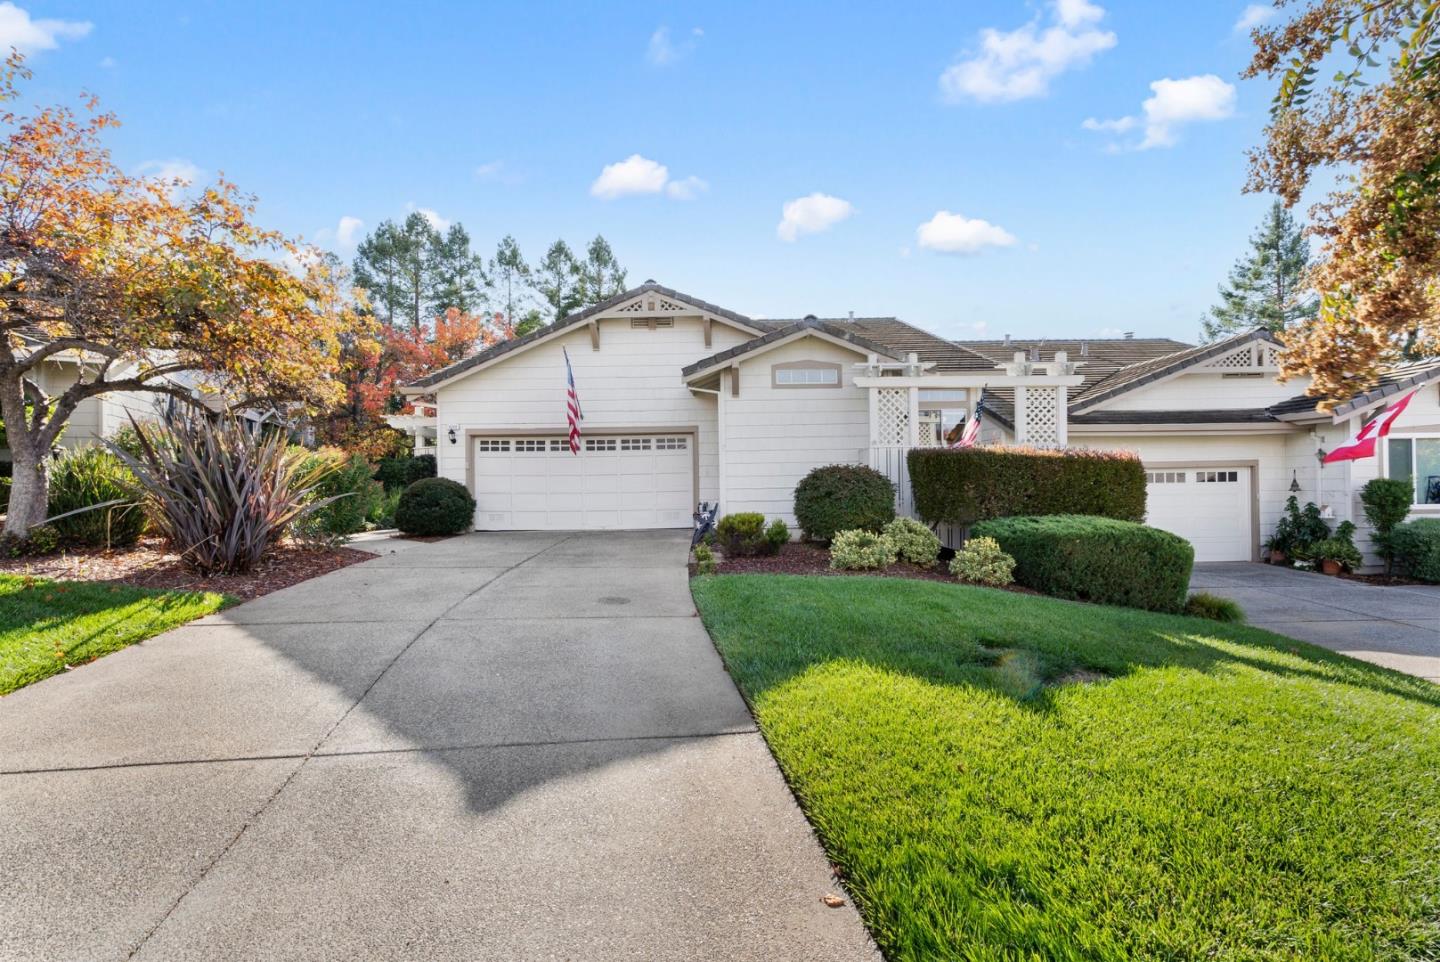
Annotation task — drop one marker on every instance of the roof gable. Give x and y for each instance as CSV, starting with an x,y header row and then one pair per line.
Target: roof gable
x,y
1216,355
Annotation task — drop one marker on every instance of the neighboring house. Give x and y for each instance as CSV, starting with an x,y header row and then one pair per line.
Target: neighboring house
x,y
685,401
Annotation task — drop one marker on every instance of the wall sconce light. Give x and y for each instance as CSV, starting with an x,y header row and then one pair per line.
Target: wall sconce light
x,y
1294,481
450,433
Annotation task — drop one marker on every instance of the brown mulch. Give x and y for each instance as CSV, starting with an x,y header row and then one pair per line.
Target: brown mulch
x,y
151,564
1385,581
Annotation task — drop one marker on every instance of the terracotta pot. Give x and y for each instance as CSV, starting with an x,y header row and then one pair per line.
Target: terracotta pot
x,y
1277,557
1330,567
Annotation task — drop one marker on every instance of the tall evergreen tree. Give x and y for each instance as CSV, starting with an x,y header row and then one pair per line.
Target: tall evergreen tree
x,y
511,277
1267,287
558,280
414,274
455,275
601,275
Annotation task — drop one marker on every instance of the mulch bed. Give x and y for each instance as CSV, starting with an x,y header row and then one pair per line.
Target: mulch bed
x,y
151,564
803,558
1385,581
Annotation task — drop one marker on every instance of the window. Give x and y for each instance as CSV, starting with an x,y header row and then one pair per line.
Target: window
x,y
529,446
1418,461
805,374
600,444
1217,477
634,444
492,445
1165,477
671,444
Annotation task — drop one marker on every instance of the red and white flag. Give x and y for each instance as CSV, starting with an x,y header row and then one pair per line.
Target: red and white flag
x,y
1362,445
971,434
573,414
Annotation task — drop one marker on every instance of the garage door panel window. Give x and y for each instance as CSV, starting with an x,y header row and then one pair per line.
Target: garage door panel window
x,y
1217,477
1416,460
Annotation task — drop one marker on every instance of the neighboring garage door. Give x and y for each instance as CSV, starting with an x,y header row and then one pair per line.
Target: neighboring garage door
x,y
1209,507
615,482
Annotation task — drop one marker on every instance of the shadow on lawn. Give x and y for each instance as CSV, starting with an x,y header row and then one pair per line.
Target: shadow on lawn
x,y
1023,646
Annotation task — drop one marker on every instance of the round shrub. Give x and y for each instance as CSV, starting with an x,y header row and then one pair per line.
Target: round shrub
x,y
913,541
88,477
842,497
1415,546
860,550
742,533
1202,604
435,506
777,534
981,562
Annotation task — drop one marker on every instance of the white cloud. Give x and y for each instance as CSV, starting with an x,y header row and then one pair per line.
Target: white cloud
x,y
345,234
687,189
664,50
1171,105
107,63
1253,16
432,218
957,234
641,175
811,214
19,31
490,171
1020,63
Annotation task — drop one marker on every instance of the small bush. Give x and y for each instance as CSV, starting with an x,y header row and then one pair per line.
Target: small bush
x,y
1205,605
91,476
434,506
777,535
401,472
41,539
913,541
982,562
382,509
704,560
1339,547
860,550
1096,559
422,466
965,485
1386,502
841,497
345,479
741,533
127,439
1416,549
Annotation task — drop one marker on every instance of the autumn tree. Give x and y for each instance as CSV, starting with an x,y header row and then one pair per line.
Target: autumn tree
x,y
1269,286
137,289
1375,128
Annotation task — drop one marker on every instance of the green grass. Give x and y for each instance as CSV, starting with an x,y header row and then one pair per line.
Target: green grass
x,y
1224,793
46,625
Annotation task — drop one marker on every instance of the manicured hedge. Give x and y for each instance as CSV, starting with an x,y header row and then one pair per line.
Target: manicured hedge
x,y
400,472
1416,548
435,506
841,497
965,485
1096,559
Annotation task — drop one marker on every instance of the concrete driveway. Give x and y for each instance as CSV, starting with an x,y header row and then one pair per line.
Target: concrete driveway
x,y
501,746
1398,627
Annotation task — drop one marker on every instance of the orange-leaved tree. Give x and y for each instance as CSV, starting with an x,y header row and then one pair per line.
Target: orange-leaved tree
x,y
138,289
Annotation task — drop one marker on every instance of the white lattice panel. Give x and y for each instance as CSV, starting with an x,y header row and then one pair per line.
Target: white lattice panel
x,y
1270,356
1042,415
892,415
1243,358
635,307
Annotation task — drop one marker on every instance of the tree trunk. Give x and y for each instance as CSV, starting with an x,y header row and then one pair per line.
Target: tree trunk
x,y
29,494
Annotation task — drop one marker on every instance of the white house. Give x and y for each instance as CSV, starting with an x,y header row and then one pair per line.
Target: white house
x,y
685,401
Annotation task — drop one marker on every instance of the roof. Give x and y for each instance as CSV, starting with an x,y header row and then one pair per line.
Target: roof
x,y
845,331
505,347
1395,380
1210,416
1144,372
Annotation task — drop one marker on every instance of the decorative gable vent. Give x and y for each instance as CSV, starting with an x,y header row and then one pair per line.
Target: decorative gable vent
x,y
650,323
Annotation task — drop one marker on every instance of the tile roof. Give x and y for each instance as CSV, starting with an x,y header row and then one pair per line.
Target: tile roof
x,y
1135,375
846,331
1395,380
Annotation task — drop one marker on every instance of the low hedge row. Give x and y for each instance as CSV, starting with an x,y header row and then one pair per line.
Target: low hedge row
x,y
1415,546
965,485
1096,559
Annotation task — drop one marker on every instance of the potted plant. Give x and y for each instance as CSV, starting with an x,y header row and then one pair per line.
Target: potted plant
x,y
1337,553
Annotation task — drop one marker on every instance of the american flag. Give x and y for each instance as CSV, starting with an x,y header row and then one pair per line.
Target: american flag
x,y
573,414
971,434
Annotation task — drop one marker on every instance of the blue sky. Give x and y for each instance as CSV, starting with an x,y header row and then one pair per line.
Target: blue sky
x,y
961,186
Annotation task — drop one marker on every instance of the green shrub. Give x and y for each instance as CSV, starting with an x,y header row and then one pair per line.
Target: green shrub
x,y
965,485
982,562
1298,530
1096,559
743,533
382,509
434,506
1339,547
41,539
704,560
91,476
1416,549
913,541
1386,502
127,439
401,472
840,497
346,480
860,550
1205,605
777,535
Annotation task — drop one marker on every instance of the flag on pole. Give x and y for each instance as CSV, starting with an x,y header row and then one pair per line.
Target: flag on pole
x,y
1362,445
573,414
971,434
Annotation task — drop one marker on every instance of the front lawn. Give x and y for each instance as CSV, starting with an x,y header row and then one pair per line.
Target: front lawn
x,y
1001,776
47,625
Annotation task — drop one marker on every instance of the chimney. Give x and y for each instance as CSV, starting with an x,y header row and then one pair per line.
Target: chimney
x,y
1084,348
852,315
1007,340
1129,335
1035,353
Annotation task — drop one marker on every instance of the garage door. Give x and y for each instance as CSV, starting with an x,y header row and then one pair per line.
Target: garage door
x,y
624,481
1209,507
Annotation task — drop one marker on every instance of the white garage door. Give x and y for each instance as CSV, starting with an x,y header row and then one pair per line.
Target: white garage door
x,y
1209,507
624,481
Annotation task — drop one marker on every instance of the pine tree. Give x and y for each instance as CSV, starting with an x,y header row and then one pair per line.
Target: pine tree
x,y
1267,288
557,279
455,275
601,276
511,277
414,274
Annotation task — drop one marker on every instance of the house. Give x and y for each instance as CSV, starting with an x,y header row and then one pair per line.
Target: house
x,y
685,401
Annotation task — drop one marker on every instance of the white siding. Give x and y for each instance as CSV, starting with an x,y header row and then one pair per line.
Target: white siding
x,y
774,436
1206,391
633,381
1422,416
